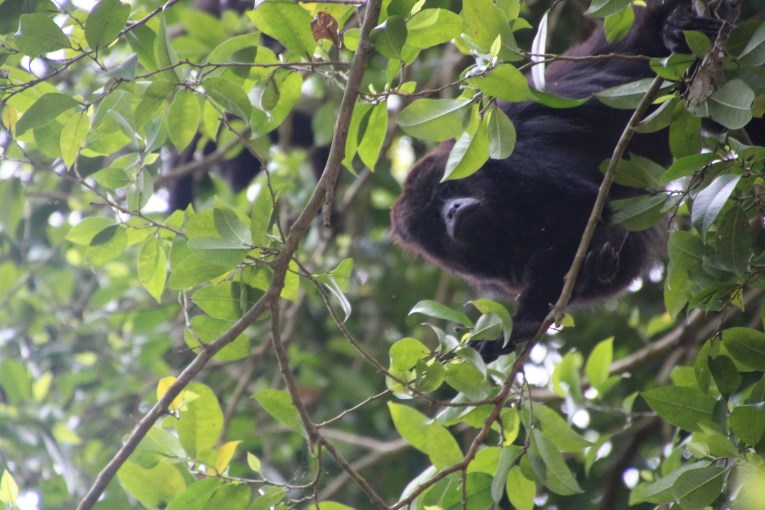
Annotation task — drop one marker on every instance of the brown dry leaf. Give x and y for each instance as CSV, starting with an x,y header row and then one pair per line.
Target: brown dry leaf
x,y
324,26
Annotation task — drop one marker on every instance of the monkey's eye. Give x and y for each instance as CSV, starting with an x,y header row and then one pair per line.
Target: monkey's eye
x,y
447,189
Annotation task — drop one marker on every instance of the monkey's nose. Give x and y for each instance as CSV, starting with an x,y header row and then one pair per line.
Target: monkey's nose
x,y
455,209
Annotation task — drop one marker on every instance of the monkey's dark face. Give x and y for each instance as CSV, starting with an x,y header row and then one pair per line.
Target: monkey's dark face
x,y
449,222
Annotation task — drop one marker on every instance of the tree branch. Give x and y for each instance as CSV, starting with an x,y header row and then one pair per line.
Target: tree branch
x,y
280,265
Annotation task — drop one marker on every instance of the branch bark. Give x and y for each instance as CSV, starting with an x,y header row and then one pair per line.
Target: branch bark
x,y
269,301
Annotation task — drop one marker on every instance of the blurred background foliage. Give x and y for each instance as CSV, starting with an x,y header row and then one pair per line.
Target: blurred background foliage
x,y
89,326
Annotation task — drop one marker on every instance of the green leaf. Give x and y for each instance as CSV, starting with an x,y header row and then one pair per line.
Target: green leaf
x,y
747,346
470,151
431,27
142,40
711,200
360,117
207,329
405,353
230,226
198,495
626,96
16,381
73,137
603,8
468,379
442,448
520,490
260,217
501,134
152,267
201,421
697,42
229,95
598,366
289,85
753,53
115,105
685,134
156,447
686,166
503,82
330,505
279,404
698,488
556,475
660,491
726,375
498,313
165,54
566,378
672,67
225,253
153,101
507,459
253,462
748,423
681,406
269,497
411,425
554,101
286,22
477,491
734,243
154,487
226,301
639,213
45,110
13,199
685,252
329,282
438,311
372,140
188,269
39,35
107,245
243,49
183,118
434,119
84,232
484,22
618,24
731,104
557,430
114,177
389,37
637,172
105,22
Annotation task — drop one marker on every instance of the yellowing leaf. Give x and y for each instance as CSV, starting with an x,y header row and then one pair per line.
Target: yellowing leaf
x,y
9,490
164,385
224,454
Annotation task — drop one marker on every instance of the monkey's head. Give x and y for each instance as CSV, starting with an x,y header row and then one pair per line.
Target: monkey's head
x,y
460,225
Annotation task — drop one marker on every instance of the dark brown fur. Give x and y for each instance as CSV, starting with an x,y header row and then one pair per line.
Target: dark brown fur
x,y
512,228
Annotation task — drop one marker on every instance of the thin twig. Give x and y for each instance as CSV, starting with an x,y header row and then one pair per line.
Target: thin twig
x,y
271,297
556,314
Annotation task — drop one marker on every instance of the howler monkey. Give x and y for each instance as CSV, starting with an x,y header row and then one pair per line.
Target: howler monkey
x,y
512,228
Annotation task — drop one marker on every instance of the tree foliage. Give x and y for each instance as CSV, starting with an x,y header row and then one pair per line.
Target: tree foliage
x,y
271,349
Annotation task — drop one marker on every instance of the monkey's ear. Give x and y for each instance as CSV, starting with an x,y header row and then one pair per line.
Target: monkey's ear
x,y
681,20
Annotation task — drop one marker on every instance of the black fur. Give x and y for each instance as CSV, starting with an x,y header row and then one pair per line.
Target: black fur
x,y
512,228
